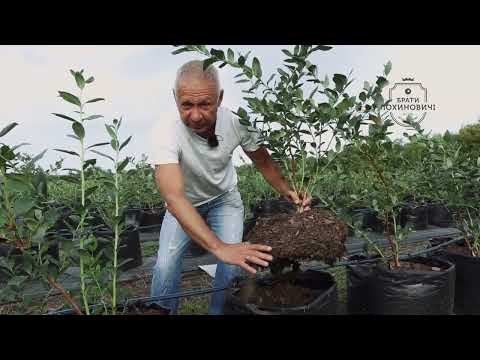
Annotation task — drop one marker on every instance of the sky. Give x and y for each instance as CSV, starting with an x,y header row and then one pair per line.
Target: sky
x,y
137,82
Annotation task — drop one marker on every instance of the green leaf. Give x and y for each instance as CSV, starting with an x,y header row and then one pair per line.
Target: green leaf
x,y
92,117
102,154
99,144
110,131
208,62
244,122
363,96
478,161
89,80
73,137
7,129
19,145
123,164
90,190
70,98
79,80
282,73
448,163
230,55
78,129
242,113
17,184
382,82
94,100
125,143
387,68
379,101
70,178
67,152
38,157
324,107
218,54
241,60
256,68
340,80
64,117
286,52
181,50
270,78
89,162
22,206
242,81
321,47
313,92
114,144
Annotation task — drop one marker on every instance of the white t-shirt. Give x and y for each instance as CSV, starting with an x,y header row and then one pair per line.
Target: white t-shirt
x,y
208,172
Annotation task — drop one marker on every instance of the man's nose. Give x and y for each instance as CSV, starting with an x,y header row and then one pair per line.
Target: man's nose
x,y
195,115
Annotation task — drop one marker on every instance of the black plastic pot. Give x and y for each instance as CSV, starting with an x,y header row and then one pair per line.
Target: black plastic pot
x,y
129,247
151,220
439,215
321,282
152,216
133,216
420,216
376,289
358,285
368,218
272,207
467,283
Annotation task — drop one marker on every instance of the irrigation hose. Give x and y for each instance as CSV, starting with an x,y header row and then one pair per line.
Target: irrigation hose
x,y
314,268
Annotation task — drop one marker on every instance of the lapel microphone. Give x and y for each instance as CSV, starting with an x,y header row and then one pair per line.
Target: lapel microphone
x,y
212,141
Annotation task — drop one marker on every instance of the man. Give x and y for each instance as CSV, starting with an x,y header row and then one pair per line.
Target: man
x,y
196,177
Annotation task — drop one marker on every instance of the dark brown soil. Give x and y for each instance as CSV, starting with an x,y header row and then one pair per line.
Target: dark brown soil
x,y
459,249
146,310
316,234
282,292
413,266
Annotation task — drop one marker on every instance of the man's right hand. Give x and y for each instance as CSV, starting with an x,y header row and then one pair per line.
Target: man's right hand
x,y
244,253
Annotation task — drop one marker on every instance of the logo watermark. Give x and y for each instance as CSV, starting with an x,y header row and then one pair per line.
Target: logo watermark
x,y
408,101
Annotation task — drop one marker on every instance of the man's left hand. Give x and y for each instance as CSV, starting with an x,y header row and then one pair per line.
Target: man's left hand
x,y
301,199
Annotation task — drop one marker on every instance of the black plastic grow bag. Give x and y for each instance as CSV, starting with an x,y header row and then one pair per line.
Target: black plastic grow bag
x,y
467,283
439,215
151,219
129,246
358,285
375,289
321,282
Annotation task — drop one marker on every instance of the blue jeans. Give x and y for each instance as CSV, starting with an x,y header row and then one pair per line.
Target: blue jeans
x,y
224,215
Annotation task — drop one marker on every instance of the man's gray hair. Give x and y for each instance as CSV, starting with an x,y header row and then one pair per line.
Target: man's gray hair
x,y
194,69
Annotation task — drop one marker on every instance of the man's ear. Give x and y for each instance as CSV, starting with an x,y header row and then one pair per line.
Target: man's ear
x,y
174,96
220,98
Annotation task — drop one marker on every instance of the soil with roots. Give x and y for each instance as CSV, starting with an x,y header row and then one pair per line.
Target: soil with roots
x,y
317,234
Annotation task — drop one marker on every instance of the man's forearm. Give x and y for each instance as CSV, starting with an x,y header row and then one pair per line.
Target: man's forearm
x,y
193,224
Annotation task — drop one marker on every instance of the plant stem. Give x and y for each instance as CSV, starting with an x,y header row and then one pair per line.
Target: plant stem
x,y
10,215
395,239
65,295
115,246
82,179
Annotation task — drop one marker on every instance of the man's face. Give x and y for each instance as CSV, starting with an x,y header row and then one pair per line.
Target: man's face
x,y
197,102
